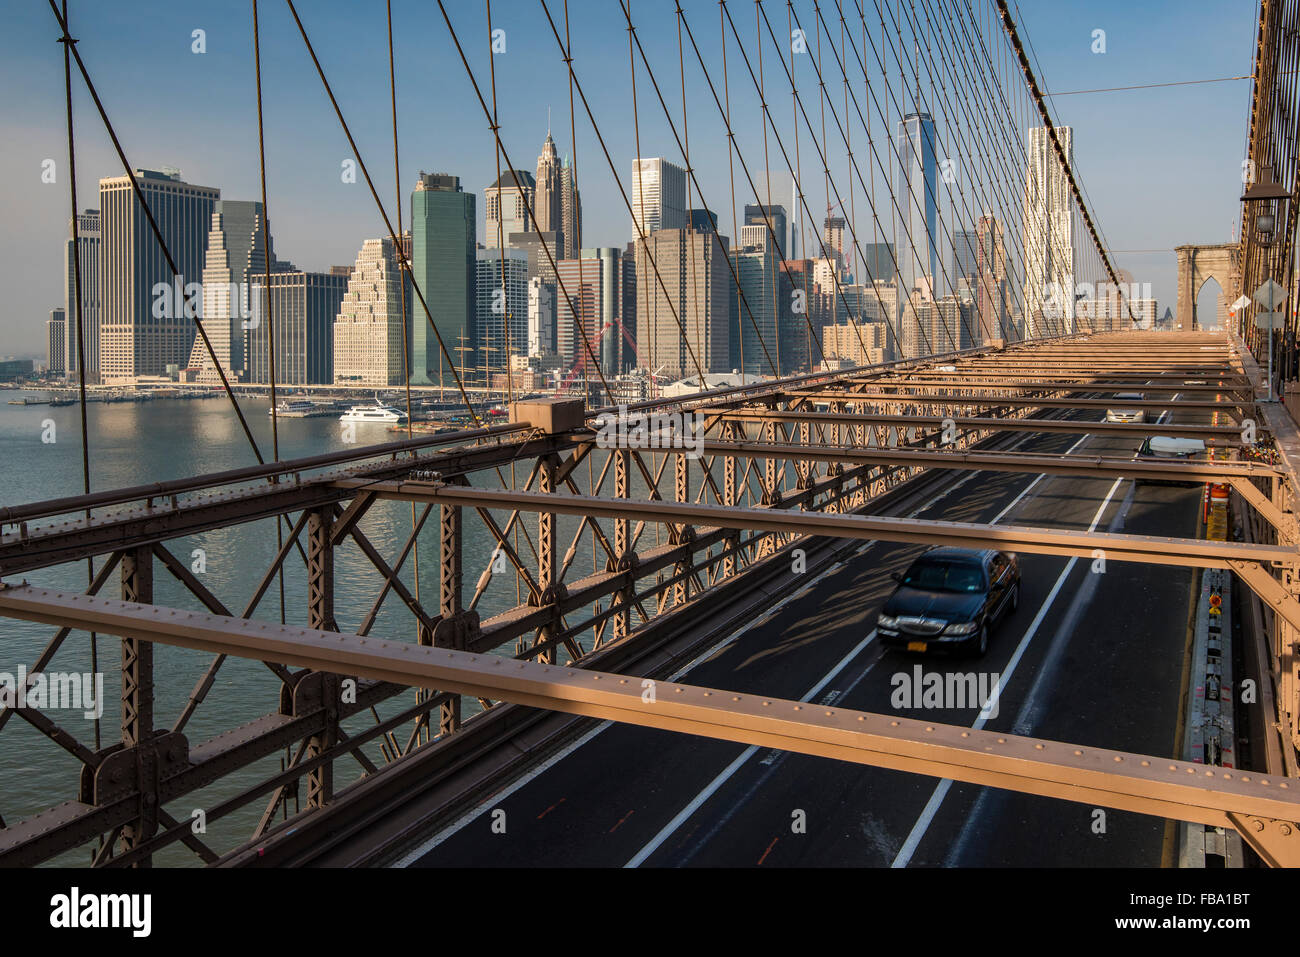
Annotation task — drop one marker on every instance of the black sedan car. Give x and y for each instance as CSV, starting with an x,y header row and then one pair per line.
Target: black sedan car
x,y
949,599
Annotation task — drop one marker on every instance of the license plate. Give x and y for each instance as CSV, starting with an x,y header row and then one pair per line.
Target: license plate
x,y
916,646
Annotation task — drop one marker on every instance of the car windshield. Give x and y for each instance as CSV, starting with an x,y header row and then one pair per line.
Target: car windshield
x,y
940,575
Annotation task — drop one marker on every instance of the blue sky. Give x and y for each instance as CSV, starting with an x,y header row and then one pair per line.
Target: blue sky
x,y
1161,166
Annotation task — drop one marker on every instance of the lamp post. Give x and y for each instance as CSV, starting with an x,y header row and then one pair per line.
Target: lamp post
x,y
1266,206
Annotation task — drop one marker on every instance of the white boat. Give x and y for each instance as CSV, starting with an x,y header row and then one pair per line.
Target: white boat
x,y
373,413
296,406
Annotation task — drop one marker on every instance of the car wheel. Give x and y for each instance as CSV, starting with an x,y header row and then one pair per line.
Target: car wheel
x,y
979,645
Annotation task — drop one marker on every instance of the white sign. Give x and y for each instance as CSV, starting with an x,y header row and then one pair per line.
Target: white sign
x,y
1241,303
1263,320
1269,294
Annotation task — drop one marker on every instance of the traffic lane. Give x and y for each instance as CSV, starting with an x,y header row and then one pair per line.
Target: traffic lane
x,y
1138,687
882,802
560,816
862,816
734,828
850,815
1112,677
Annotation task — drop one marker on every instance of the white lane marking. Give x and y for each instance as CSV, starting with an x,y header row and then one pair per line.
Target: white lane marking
x,y
941,791
725,775
1025,491
494,800
711,788
1030,711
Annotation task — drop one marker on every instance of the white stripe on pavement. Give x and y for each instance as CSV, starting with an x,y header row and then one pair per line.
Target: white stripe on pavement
x,y
941,791
725,775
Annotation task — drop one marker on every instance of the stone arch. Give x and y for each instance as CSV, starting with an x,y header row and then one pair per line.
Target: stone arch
x,y
1220,307
1196,264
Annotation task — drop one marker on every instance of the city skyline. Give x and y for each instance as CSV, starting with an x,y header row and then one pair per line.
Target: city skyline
x,y
17,327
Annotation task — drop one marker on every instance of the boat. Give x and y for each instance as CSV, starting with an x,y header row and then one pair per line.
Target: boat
x,y
296,406
373,413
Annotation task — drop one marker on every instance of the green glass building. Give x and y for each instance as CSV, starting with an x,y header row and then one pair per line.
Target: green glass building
x,y
443,242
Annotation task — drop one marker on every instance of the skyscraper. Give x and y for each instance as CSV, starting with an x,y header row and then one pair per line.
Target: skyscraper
x,y
965,254
548,203
991,312
918,255
141,329
754,343
541,317
878,263
1048,236
590,294
303,308
682,317
760,214
237,252
87,253
570,209
537,246
444,227
501,319
833,237
370,325
658,196
508,201
56,331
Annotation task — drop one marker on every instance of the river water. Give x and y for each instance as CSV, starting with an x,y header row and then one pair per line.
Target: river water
x,y
134,443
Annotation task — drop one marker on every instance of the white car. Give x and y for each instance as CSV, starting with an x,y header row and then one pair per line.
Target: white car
x,y
1121,414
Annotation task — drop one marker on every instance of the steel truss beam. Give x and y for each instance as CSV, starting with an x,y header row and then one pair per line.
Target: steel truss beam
x,y
1184,552
995,400
1228,436
1143,784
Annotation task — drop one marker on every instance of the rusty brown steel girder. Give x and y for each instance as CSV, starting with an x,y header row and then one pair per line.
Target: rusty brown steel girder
x,y
1224,435
1140,783
1042,402
1185,552
1191,470
925,386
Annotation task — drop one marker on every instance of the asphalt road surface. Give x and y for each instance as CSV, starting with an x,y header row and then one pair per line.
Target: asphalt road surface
x,y
1090,656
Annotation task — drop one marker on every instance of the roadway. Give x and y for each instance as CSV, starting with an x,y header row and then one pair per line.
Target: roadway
x,y
1090,656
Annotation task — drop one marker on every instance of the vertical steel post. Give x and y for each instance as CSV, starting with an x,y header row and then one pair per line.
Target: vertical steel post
x,y
320,614
729,430
682,534
137,702
622,545
546,478
450,607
